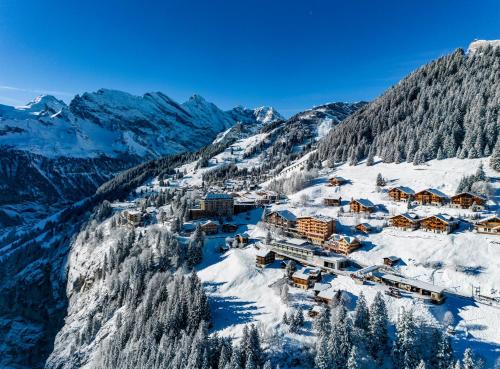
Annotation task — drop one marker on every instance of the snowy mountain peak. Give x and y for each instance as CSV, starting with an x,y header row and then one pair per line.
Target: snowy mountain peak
x,y
43,103
267,114
477,44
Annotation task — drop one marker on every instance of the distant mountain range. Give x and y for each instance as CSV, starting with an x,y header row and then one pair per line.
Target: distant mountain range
x,y
55,153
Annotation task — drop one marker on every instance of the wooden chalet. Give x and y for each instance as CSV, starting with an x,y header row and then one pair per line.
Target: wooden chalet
x,y
281,218
489,226
439,223
391,260
364,228
467,200
264,257
210,227
317,229
331,201
328,295
361,206
302,279
431,196
401,193
405,221
336,181
342,244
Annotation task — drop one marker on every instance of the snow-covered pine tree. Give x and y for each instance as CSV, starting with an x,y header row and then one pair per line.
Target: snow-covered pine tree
x,y
495,156
378,327
361,314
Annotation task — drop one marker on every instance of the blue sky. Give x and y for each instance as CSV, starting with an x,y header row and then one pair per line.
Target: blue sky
x,y
288,54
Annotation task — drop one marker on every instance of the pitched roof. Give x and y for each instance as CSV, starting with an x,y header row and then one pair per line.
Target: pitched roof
x,y
470,194
338,237
286,214
434,192
410,216
392,258
490,219
301,274
444,217
263,252
404,189
364,202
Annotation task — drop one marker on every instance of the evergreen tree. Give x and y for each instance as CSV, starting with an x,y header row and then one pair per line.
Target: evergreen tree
x,y
361,314
495,156
468,360
353,361
378,327
444,355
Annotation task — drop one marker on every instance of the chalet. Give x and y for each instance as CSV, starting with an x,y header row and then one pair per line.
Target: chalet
x,y
294,248
221,204
435,293
318,287
328,295
431,196
133,217
361,206
490,226
317,229
242,238
302,278
391,260
401,193
439,223
264,257
331,201
229,228
467,200
364,228
405,221
342,244
336,181
210,227
281,218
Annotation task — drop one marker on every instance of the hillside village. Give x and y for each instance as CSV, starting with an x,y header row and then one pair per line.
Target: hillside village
x,y
342,231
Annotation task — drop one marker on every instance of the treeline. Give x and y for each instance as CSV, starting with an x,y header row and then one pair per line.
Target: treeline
x,y
447,108
362,340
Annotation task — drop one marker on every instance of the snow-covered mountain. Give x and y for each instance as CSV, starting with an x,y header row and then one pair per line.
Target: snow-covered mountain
x,y
55,153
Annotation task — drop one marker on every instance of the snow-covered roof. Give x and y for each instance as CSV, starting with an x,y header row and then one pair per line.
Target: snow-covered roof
x,y
263,252
364,202
404,189
470,194
218,196
434,192
327,294
320,218
286,214
302,274
334,258
413,282
338,237
444,217
410,216
493,218
321,286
